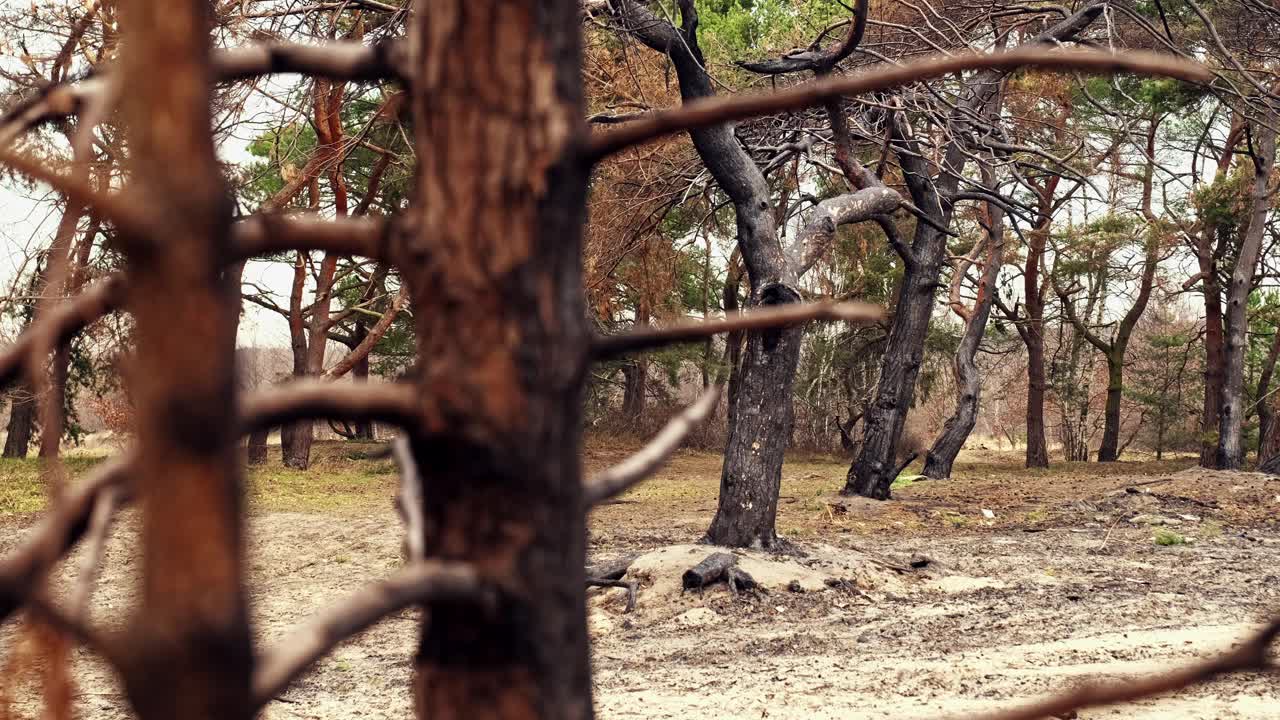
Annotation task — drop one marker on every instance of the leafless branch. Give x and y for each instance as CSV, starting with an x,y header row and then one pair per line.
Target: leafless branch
x,y
416,583
108,206
267,233
58,533
1252,654
630,472
410,499
336,60
104,510
648,338
714,111
306,399
61,324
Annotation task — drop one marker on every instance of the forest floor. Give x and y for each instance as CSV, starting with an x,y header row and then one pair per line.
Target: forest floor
x,y
1063,578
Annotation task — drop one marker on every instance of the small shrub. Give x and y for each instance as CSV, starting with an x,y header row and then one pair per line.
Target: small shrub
x,y
1166,537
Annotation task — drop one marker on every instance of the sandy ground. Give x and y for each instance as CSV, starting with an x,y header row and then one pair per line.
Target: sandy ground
x,y
1064,583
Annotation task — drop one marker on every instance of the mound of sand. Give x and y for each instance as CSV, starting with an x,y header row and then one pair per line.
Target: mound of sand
x,y
661,596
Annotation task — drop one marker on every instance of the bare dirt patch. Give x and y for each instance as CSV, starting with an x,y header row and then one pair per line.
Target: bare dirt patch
x,y
1061,585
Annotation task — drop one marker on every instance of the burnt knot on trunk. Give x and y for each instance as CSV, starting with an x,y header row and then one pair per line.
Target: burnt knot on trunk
x,y
775,294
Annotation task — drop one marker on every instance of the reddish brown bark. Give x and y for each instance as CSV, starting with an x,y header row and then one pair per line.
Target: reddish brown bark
x,y
186,651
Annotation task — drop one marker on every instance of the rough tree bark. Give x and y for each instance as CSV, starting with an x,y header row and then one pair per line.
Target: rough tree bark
x,y
187,649
492,257
872,472
942,455
1231,448
22,422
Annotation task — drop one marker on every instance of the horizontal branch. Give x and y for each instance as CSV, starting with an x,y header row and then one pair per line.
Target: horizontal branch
x,y
349,61
645,462
1252,654
313,399
61,324
420,582
648,338
268,233
717,110
56,535
337,60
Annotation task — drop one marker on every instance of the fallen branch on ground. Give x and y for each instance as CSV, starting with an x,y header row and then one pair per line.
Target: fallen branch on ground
x,y
648,338
631,588
714,568
618,479
718,110
416,583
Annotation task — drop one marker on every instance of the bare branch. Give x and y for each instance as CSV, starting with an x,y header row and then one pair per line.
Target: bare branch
x,y
308,399
409,501
335,60
375,334
648,338
715,111
57,534
61,323
416,583
639,466
267,233
104,510
1252,654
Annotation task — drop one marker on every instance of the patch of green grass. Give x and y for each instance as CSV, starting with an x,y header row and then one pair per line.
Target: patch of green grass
x,y
1037,516
21,490
1166,537
904,480
956,519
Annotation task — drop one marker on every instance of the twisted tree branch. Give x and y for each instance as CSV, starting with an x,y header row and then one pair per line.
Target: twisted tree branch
x,y
307,399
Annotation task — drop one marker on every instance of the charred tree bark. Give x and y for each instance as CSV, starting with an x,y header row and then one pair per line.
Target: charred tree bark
x,y
492,258
1231,448
942,455
187,648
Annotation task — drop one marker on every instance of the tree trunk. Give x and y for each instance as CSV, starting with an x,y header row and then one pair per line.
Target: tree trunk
x,y
257,447
296,438
501,327
942,455
1109,450
1214,359
188,644
364,429
1231,427
22,423
635,376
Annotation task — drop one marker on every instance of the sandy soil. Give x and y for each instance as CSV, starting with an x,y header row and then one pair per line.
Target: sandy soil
x,y
1064,583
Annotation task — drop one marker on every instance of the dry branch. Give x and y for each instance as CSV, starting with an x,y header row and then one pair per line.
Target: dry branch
x,y
416,583
1252,654
714,111
347,61
267,233
617,479
61,324
104,510
57,534
409,501
648,338
309,399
